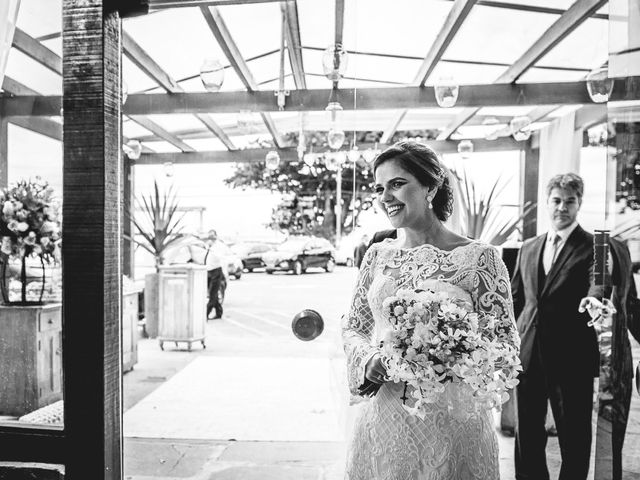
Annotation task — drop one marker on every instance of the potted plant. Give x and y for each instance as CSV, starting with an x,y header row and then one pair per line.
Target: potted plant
x,y
30,232
159,225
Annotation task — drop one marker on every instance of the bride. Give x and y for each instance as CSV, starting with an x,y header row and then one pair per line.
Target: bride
x,y
388,443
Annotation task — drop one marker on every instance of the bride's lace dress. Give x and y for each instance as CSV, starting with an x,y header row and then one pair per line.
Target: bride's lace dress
x,y
454,441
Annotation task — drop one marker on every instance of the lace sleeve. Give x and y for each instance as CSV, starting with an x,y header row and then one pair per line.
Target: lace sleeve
x,y
492,294
358,326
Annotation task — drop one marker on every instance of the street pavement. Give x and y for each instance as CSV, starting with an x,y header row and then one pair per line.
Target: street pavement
x,y
258,403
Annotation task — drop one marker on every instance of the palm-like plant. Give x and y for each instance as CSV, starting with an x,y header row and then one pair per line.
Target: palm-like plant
x,y
482,217
159,224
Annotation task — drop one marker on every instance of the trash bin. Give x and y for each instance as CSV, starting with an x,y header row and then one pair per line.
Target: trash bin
x,y
182,315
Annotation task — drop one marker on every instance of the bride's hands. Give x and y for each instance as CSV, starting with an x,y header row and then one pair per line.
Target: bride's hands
x,y
374,370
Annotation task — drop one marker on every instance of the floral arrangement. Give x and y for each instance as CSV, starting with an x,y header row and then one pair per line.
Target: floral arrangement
x,y
434,340
30,229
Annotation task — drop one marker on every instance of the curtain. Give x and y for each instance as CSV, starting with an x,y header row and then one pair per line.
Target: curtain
x,y
8,16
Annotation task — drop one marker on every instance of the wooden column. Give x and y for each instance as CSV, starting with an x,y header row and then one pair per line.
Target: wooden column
x,y
529,179
4,152
91,249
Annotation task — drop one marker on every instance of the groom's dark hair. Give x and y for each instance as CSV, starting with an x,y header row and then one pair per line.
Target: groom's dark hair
x,y
422,162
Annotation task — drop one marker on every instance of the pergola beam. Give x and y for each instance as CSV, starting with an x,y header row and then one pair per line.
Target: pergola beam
x,y
222,34
155,5
497,95
563,26
35,50
294,45
458,13
144,61
290,154
161,132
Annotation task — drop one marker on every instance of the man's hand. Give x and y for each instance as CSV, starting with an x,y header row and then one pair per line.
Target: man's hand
x,y
374,371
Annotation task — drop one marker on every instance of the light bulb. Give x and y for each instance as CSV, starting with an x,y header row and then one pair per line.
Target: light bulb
x,y
335,138
272,160
334,108
369,155
446,92
599,85
353,155
465,148
334,62
520,128
212,74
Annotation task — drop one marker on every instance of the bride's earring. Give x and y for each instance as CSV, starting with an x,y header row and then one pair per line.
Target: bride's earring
x,y
429,205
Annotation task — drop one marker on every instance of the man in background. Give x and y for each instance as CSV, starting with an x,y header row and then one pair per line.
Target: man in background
x,y
559,351
215,275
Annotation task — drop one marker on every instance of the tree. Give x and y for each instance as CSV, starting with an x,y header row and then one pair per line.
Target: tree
x,y
310,193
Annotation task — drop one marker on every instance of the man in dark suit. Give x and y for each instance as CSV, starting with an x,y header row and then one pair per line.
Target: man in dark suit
x,y
559,352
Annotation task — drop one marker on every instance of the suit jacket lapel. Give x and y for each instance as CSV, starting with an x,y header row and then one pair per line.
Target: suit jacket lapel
x,y
535,260
562,257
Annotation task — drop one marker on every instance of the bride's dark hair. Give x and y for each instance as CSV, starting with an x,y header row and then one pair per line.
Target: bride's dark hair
x,y
422,162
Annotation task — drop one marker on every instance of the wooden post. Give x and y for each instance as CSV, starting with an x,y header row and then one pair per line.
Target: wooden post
x,y
4,152
529,178
91,249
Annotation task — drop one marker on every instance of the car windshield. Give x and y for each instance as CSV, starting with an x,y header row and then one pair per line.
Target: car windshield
x,y
293,244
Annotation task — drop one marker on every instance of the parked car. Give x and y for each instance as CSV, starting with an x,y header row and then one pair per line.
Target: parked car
x,y
298,254
251,254
229,259
192,248
344,255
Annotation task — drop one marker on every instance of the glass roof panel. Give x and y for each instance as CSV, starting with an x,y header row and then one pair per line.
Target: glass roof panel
x,y
163,35
585,47
546,75
132,129
255,27
206,144
465,73
135,78
316,20
54,44
398,28
176,122
34,75
428,118
497,35
563,4
267,68
289,84
161,146
40,17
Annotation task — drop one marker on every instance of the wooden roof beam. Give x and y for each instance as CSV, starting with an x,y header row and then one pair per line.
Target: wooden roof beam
x,y
294,45
458,13
38,52
155,5
161,132
222,34
563,26
144,61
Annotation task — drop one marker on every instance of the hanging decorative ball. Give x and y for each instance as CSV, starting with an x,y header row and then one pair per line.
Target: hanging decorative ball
x,y
341,156
335,138
334,62
446,92
599,85
272,160
133,149
309,159
332,161
212,74
520,128
353,155
465,148
168,169
369,155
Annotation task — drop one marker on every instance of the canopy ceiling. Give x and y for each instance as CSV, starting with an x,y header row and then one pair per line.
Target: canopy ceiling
x,y
399,46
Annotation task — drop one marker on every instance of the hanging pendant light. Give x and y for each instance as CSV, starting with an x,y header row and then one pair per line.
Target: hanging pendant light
x,y
335,138
520,128
334,108
332,161
212,74
369,155
334,62
272,160
168,169
133,149
465,148
446,92
353,155
599,85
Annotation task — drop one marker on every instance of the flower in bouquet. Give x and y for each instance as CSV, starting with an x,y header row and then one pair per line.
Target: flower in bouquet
x,y
30,229
436,339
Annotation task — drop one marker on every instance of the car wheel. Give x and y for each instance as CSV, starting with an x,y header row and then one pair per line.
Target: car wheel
x,y
349,262
249,270
330,266
297,268
269,271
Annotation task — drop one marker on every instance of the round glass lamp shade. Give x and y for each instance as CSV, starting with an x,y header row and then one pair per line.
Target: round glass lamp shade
x,y
520,128
212,74
599,85
334,62
335,138
334,108
369,155
353,155
446,92
133,149
272,160
332,161
465,148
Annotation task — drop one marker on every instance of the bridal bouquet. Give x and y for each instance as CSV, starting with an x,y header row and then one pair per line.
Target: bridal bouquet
x,y
434,340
